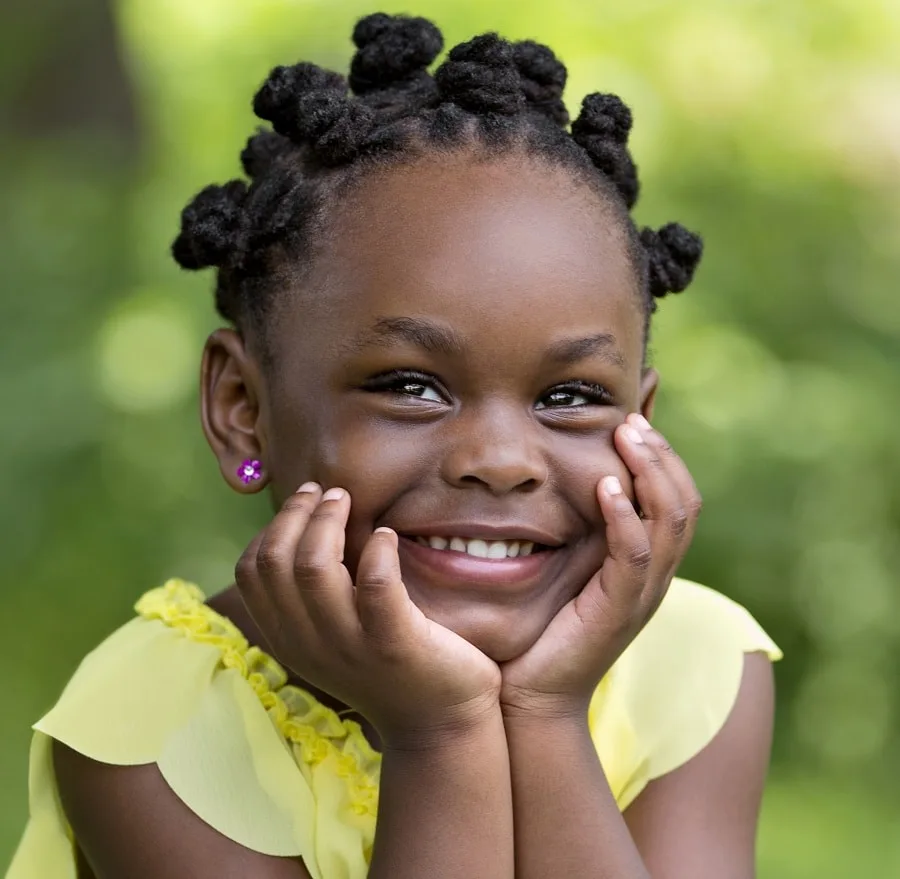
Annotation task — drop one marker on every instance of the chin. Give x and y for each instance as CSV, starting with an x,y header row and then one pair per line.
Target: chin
x,y
500,635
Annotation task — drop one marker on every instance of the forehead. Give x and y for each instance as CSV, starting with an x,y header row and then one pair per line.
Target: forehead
x,y
507,244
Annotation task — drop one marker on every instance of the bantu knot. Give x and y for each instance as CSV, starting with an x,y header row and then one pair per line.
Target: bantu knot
x,y
543,80
278,99
211,226
602,129
310,106
481,76
263,149
392,50
673,254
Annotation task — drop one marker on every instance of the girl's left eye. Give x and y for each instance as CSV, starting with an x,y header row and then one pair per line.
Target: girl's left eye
x,y
574,395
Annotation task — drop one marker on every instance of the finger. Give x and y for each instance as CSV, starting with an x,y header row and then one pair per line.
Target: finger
x,y
275,550
618,587
252,589
665,517
678,472
382,601
265,568
320,578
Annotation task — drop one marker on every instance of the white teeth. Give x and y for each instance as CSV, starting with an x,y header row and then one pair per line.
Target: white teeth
x,y
478,548
496,549
483,549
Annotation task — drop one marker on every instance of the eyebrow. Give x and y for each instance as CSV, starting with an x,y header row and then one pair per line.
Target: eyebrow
x,y
441,340
421,333
569,351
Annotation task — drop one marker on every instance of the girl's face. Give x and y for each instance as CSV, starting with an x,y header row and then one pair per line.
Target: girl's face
x,y
474,339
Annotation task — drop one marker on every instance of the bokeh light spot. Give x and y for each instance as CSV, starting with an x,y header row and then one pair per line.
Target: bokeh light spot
x,y
146,354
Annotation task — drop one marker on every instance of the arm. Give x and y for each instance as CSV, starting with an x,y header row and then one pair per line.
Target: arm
x,y
698,822
445,791
443,809
566,819
129,823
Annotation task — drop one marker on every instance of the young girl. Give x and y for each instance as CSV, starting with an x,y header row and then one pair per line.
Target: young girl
x,y
463,617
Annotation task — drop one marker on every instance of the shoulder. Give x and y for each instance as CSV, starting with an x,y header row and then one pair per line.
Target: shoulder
x,y
690,653
694,616
140,683
673,689
128,822
700,819
177,708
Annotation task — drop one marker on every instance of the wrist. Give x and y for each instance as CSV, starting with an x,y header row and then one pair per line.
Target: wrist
x,y
563,741
459,729
521,706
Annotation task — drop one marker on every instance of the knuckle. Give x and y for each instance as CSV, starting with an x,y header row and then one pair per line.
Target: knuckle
x,y
376,580
245,569
665,447
293,503
677,522
269,560
638,556
656,463
695,505
311,564
324,513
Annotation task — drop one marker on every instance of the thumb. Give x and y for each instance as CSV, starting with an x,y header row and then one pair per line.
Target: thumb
x,y
381,599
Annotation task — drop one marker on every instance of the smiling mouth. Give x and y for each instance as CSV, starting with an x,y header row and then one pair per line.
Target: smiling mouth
x,y
480,548
461,563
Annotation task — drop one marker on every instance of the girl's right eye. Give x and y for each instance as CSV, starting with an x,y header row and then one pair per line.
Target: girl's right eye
x,y
408,383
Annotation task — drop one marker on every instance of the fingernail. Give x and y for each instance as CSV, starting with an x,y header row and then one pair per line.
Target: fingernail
x,y
612,485
384,530
308,487
633,436
640,421
333,494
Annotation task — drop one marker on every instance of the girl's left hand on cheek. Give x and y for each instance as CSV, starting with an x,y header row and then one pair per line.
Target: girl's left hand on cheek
x,y
558,674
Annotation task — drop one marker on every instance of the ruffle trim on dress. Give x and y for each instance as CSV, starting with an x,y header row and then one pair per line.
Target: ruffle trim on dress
x,y
315,731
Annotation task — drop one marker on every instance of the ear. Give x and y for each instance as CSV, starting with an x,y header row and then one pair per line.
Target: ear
x,y
230,385
649,384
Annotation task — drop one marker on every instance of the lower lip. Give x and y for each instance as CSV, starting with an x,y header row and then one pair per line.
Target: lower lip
x,y
462,569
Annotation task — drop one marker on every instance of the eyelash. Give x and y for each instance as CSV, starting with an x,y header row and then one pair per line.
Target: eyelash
x,y
397,379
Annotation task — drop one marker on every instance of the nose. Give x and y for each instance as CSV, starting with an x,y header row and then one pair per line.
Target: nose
x,y
496,449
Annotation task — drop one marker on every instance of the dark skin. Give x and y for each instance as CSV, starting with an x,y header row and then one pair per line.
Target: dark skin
x,y
507,266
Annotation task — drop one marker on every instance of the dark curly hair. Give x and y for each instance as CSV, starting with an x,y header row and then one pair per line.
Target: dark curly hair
x,y
328,131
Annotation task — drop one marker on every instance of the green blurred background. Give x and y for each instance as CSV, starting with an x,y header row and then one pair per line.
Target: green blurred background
x,y
772,127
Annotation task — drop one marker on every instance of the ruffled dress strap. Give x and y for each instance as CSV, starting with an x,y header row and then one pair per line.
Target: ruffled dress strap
x,y
261,761
674,686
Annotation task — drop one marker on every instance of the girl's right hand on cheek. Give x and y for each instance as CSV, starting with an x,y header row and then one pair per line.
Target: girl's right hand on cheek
x,y
366,644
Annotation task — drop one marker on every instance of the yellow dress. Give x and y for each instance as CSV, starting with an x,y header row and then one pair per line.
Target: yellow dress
x,y
270,767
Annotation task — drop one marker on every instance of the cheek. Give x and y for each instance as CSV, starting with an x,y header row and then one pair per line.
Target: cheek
x,y
369,459
581,464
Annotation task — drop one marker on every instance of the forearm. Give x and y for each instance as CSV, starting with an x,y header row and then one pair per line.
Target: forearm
x,y
445,808
567,822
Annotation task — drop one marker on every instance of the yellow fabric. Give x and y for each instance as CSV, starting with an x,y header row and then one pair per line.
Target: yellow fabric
x,y
270,767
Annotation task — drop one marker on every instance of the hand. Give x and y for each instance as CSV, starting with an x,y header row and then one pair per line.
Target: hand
x,y
559,673
367,645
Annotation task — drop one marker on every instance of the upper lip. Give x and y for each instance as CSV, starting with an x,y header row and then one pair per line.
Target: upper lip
x,y
475,531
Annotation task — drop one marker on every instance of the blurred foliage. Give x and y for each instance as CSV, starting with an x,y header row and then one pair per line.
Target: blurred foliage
x,y
772,127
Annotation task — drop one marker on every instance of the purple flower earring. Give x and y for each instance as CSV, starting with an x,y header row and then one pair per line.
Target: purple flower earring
x,y
250,471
